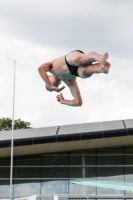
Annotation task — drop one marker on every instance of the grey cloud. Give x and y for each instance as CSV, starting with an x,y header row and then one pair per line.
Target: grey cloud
x,y
88,25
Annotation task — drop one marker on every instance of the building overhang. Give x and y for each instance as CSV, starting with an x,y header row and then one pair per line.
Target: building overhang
x,y
67,137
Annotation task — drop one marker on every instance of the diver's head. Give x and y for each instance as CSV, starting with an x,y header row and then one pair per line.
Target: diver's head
x,y
54,80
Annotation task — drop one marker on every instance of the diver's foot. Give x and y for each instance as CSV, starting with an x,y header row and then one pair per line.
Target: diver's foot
x,y
103,58
105,68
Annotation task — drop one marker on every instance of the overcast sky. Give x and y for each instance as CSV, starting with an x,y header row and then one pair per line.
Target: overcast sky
x,y
46,29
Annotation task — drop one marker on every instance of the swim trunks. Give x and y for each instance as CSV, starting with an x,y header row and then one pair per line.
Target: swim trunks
x,y
73,69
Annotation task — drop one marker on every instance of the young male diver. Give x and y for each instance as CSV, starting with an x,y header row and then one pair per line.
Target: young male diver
x,y
66,68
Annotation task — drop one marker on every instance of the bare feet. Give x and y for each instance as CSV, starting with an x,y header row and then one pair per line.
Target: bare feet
x,y
105,68
103,58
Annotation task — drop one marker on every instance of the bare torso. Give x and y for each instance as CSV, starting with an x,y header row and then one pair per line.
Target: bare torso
x,y
60,69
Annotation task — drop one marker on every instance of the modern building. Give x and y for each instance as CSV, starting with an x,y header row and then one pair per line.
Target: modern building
x,y
47,160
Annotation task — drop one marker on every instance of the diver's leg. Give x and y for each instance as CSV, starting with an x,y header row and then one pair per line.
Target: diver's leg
x,y
79,59
85,72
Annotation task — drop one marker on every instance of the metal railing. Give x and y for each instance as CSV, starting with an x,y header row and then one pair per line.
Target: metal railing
x,y
72,197
69,196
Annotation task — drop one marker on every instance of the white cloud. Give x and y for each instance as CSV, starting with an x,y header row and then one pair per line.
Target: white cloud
x,y
44,33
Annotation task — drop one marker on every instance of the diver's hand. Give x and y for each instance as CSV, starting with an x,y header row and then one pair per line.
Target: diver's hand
x,y
60,98
54,88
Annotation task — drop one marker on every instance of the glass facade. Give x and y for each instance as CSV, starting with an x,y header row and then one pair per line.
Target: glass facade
x,y
53,173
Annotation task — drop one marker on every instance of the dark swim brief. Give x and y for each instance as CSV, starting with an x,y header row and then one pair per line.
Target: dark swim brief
x,y
73,69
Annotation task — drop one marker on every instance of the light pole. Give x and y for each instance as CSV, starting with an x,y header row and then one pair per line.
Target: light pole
x,y
14,53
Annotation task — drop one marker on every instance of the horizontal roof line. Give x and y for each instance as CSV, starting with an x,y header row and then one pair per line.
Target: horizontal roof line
x,y
73,132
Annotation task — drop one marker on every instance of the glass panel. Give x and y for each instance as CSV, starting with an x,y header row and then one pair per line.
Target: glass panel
x,y
129,173
81,189
107,191
4,187
75,188
5,161
27,172
5,172
112,159
88,158
57,159
50,187
30,160
75,172
55,166
90,171
55,172
110,168
76,159
26,188
26,167
100,166
90,190
110,173
75,169
128,160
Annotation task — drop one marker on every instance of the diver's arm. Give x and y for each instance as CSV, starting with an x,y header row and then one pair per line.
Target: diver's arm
x,y
77,101
42,71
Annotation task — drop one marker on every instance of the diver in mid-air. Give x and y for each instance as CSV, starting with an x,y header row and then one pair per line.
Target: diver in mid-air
x,y
66,68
